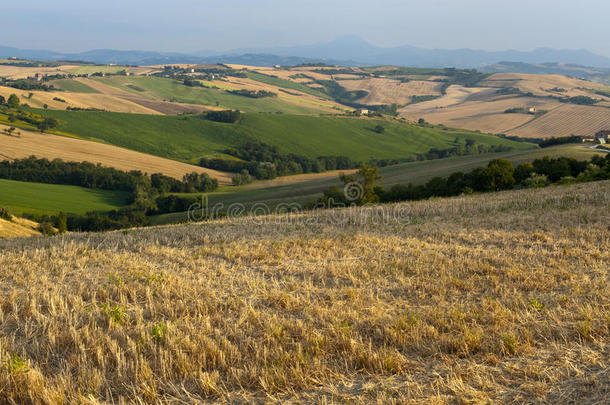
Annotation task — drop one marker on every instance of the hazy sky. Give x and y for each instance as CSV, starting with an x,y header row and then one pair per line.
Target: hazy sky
x,y
189,25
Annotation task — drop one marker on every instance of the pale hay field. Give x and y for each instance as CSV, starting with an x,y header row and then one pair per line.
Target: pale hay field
x,y
478,299
543,85
486,116
567,120
18,227
79,100
79,150
388,91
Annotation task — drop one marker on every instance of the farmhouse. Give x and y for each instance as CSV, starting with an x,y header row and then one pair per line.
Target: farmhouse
x,y
363,111
531,110
602,136
38,77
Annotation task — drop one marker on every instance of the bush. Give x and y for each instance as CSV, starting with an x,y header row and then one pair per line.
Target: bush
x,y
5,214
536,181
379,129
46,229
242,178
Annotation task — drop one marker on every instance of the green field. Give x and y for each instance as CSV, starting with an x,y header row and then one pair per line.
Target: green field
x,y
286,84
191,138
37,198
172,90
72,85
415,172
90,69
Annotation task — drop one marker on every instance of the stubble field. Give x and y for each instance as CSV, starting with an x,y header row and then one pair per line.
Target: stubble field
x,y
486,298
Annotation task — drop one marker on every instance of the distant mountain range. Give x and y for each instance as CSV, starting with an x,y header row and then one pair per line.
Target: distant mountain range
x,y
349,50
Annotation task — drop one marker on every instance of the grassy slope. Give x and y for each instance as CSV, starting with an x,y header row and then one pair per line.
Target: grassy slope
x,y
166,89
20,197
476,299
72,85
190,138
416,173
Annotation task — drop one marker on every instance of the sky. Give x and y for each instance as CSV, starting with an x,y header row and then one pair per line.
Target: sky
x,y
194,25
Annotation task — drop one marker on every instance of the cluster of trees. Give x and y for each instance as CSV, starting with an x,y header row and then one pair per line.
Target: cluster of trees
x,y
469,148
266,162
26,84
498,175
252,93
190,82
560,141
12,102
242,178
15,114
580,100
228,116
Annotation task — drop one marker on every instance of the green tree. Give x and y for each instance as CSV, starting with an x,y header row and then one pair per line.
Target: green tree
x,y
523,171
379,129
62,223
13,101
2,100
501,172
362,188
47,123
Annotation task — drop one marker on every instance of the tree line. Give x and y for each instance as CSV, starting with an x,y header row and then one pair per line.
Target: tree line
x,y
498,175
262,161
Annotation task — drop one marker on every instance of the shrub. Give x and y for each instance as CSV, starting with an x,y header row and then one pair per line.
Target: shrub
x,y
4,214
46,229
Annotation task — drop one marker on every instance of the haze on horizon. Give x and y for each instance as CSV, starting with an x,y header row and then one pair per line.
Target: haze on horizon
x,y
194,25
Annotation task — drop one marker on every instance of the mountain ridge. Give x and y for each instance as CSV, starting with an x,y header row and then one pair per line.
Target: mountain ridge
x,y
347,50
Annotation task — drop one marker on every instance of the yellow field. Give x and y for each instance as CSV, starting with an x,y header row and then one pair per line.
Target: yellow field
x,y
486,116
494,298
70,149
565,121
542,85
17,228
79,100
387,91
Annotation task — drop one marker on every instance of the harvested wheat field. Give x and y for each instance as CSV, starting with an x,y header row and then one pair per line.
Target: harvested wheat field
x,y
476,299
486,116
70,149
388,91
78,100
543,85
565,121
17,228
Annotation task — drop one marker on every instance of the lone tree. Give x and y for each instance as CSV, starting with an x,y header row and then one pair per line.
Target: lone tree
x,y
2,100
13,101
379,129
62,223
366,185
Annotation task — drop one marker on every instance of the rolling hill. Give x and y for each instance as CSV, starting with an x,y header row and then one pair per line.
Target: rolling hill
x,y
303,190
37,198
482,298
189,138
